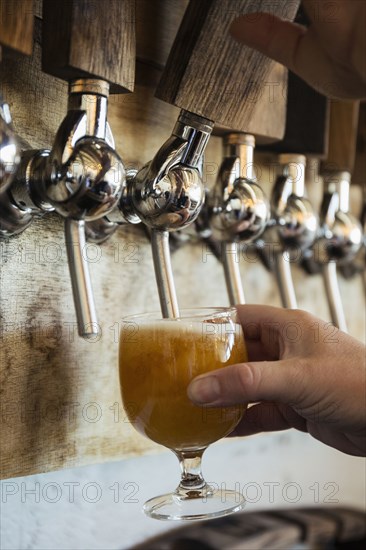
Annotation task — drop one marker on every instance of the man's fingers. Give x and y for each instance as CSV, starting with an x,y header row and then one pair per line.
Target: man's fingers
x,y
281,381
300,50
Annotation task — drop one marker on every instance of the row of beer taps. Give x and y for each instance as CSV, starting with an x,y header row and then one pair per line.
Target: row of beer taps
x,y
84,180
286,229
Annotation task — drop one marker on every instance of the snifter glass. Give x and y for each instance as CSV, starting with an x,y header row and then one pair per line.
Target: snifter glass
x,y
158,358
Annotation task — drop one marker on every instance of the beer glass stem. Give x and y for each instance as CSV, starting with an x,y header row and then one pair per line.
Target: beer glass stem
x,y
191,480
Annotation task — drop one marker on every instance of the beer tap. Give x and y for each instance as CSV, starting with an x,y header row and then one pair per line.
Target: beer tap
x,y
340,239
167,193
340,236
238,208
294,223
82,177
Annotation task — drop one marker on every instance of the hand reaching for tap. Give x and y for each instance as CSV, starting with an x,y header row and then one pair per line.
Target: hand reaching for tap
x,y
305,374
329,55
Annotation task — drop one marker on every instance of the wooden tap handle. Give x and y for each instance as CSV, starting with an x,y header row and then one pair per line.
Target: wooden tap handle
x,y
208,72
344,116
90,39
16,25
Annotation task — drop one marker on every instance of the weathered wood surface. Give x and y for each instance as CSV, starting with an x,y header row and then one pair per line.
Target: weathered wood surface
x,y
16,25
208,72
85,38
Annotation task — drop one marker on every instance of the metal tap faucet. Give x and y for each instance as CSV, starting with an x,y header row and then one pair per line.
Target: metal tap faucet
x,y
238,210
294,224
82,178
339,241
167,194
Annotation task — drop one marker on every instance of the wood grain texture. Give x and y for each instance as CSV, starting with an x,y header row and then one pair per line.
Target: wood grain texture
x,y
268,119
88,38
208,72
343,127
307,121
16,25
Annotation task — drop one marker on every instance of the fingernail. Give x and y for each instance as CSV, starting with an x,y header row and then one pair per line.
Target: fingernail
x,y
204,390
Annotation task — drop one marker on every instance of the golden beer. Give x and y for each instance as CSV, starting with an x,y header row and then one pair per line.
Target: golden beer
x,y
158,360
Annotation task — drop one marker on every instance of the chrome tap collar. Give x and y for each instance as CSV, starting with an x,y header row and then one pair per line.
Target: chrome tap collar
x,y
27,191
196,131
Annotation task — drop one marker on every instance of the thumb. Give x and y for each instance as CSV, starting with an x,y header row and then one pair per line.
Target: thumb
x,y
280,381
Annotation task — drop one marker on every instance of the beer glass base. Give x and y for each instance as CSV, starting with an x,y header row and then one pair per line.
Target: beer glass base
x,y
172,507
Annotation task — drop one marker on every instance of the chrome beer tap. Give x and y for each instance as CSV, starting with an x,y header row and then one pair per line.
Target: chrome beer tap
x,y
9,148
294,224
82,178
167,195
339,241
238,210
